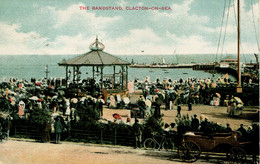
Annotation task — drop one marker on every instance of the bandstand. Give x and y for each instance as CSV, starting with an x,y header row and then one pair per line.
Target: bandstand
x,y
99,60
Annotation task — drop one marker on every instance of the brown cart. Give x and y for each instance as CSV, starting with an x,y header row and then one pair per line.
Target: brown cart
x,y
193,143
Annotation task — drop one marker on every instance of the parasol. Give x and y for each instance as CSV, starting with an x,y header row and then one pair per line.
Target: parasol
x,y
54,115
148,103
38,83
54,97
126,100
74,100
218,95
116,116
132,100
11,92
34,98
83,99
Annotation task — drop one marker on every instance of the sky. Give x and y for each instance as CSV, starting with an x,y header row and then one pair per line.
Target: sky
x,y
46,27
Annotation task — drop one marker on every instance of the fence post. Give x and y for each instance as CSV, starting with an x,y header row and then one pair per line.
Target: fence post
x,y
101,136
115,135
26,131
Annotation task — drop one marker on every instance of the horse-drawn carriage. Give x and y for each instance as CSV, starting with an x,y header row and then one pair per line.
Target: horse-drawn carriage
x,y
193,143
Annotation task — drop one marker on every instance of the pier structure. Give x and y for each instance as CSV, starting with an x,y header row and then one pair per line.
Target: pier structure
x,y
194,66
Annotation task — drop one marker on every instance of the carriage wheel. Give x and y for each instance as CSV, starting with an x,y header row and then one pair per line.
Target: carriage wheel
x,y
149,144
237,155
189,151
167,145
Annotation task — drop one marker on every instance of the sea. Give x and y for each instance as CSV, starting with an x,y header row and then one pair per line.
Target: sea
x,y
34,66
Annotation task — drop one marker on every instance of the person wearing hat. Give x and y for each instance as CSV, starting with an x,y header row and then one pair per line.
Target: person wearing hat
x,y
99,104
228,129
157,110
243,132
138,133
58,129
178,111
195,123
189,106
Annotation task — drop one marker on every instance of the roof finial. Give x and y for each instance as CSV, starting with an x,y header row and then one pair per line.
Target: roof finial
x,y
97,45
96,41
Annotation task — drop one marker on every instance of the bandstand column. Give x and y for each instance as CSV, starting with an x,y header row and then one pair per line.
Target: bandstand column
x,y
93,71
122,77
73,74
102,77
114,76
126,76
77,74
66,73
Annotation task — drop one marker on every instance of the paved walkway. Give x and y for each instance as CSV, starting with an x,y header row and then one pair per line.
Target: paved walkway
x,y
30,152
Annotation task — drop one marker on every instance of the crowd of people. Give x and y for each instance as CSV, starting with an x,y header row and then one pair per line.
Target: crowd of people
x,y
192,91
20,97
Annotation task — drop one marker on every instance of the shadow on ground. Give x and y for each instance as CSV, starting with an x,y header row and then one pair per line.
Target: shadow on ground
x,y
204,158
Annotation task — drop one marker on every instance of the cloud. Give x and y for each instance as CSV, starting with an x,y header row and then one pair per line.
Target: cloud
x,y
122,3
73,30
193,33
83,19
70,44
179,19
14,42
135,41
140,4
247,31
193,44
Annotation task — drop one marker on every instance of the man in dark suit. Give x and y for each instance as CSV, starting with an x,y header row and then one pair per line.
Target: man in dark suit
x,y
58,129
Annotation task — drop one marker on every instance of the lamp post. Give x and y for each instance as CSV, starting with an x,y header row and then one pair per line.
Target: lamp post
x,y
69,75
47,71
68,78
79,75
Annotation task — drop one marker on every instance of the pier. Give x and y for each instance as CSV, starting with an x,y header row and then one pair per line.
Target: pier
x,y
194,66
204,66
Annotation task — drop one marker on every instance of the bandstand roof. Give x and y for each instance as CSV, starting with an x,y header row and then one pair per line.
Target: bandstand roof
x,y
95,57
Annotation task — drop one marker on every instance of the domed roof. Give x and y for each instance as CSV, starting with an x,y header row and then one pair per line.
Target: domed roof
x,y
96,56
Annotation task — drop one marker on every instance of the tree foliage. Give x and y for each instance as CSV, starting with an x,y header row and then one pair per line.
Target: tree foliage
x,y
39,117
152,125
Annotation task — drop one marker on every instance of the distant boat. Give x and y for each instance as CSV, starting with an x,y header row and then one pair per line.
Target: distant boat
x,y
166,72
184,73
163,61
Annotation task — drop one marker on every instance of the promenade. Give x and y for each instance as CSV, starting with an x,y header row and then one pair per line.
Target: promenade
x,y
216,114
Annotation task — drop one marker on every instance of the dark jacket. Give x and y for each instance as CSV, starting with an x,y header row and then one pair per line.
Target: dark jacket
x,y
58,126
137,129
